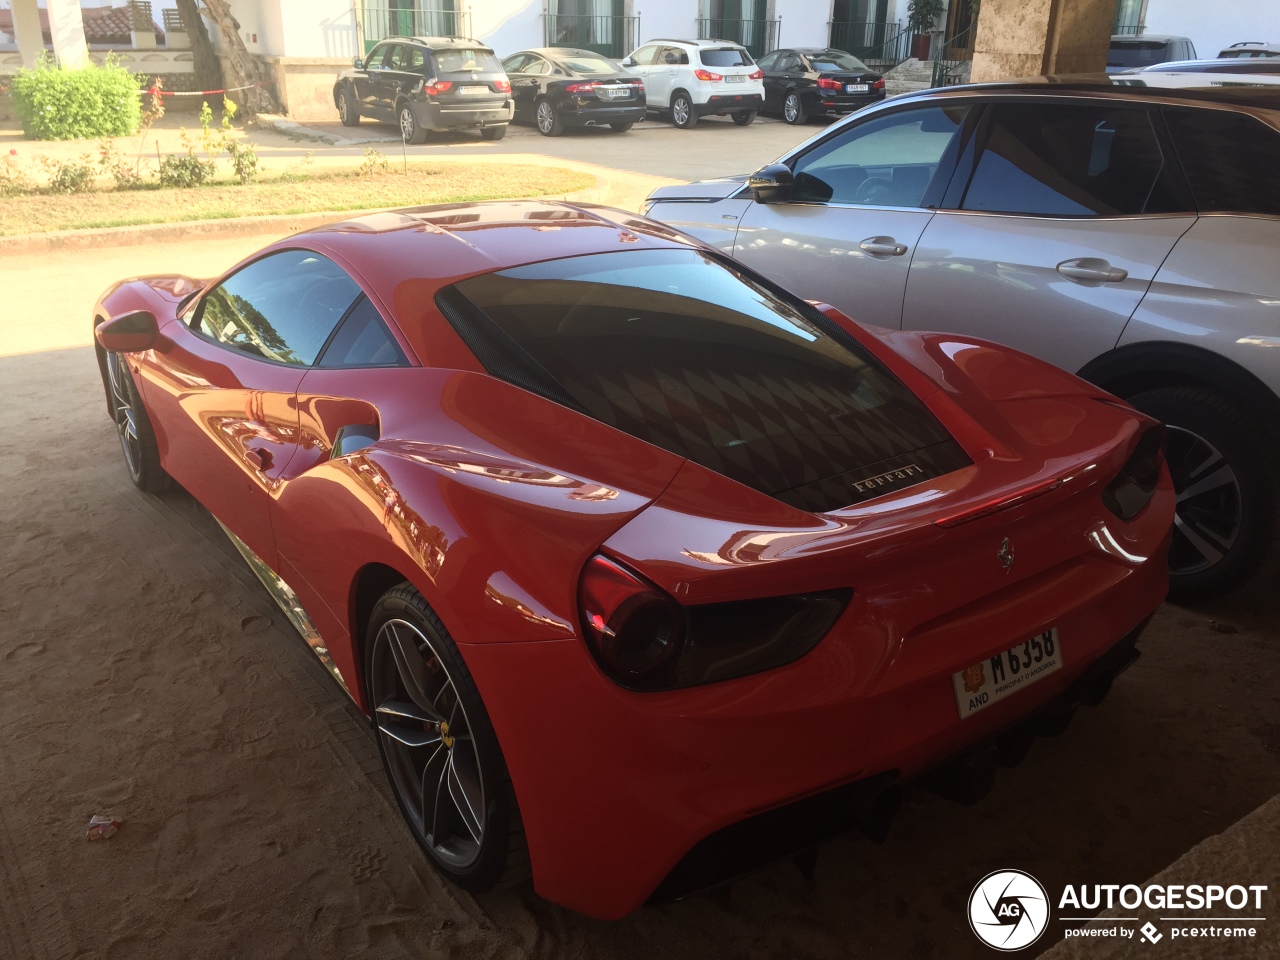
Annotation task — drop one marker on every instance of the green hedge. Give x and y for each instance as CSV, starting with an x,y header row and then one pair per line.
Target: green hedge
x,y
57,104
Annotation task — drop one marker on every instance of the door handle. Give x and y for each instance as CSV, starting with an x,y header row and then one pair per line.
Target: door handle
x,y
1091,271
882,247
260,459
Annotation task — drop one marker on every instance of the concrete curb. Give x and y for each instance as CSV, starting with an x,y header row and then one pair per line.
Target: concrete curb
x,y
292,129
277,225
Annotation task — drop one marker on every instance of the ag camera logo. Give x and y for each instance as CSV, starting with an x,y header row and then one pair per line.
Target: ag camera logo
x,y
1008,910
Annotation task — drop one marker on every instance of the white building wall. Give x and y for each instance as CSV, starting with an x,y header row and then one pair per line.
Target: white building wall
x,y
317,28
507,25
804,22
1215,26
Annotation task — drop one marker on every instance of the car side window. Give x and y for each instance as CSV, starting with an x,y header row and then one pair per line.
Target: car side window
x,y
411,59
383,58
888,161
645,55
516,63
672,56
766,62
1230,159
537,67
1075,160
281,308
789,63
362,340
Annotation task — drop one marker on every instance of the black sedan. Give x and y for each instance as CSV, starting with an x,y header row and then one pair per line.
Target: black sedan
x,y
558,87
805,82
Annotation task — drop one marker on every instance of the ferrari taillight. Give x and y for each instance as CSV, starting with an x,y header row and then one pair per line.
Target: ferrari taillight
x,y
634,628
1129,493
644,640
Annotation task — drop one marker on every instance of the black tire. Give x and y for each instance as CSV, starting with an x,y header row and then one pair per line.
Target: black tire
x,y
683,115
546,119
410,130
793,110
1224,531
137,437
744,118
404,625
348,109
496,132
622,127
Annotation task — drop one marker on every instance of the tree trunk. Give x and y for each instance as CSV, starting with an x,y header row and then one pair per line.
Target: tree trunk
x,y
242,67
207,69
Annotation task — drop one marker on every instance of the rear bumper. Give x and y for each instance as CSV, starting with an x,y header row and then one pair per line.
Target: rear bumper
x,y
620,791
841,106
574,115
729,103
450,116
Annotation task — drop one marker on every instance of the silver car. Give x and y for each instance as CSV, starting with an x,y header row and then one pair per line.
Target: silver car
x,y
1129,234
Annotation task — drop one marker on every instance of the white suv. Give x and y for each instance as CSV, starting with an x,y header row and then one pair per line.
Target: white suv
x,y
696,78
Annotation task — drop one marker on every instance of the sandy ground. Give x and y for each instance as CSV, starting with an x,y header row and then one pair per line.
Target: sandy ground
x,y
144,674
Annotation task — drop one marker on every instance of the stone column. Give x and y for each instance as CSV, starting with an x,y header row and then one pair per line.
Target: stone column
x,y
1028,38
67,27
26,30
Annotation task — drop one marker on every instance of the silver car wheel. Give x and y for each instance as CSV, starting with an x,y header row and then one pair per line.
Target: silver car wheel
x,y
407,124
546,117
432,758
791,108
125,416
680,111
344,109
1209,514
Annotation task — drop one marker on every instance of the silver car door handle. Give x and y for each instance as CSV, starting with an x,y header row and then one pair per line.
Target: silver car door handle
x,y
882,247
1091,270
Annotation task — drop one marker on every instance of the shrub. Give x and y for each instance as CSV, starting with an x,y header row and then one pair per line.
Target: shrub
x,y
13,181
185,170
57,104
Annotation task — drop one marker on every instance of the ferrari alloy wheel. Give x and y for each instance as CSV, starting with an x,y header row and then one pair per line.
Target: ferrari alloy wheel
x,y
682,112
438,747
793,110
1226,507
410,130
549,123
348,112
137,440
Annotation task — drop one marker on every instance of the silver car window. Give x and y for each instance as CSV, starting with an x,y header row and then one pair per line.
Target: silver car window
x,y
888,161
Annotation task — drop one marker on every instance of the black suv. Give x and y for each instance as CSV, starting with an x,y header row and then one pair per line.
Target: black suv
x,y
427,83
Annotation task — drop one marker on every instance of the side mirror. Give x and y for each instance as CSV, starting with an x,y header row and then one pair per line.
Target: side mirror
x,y
628,62
357,62
772,184
128,333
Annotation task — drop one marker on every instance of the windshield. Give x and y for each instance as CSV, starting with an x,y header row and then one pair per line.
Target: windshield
x,y
591,66
679,350
466,61
834,61
726,57
1137,53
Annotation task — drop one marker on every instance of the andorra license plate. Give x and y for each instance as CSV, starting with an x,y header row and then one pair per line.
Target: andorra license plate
x,y
990,681
472,91
855,88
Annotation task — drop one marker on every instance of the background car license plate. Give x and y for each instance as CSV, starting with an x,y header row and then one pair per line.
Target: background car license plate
x,y
989,681
735,78
613,93
472,91
855,88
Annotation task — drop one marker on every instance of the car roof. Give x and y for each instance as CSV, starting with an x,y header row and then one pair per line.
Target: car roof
x,y
695,43
1147,37
463,42
1238,64
554,52
1121,86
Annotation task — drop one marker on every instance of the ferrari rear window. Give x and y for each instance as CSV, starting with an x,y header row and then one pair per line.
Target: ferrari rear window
x,y
687,353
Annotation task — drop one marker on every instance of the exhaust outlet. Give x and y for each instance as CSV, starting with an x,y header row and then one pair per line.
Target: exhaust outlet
x,y
875,805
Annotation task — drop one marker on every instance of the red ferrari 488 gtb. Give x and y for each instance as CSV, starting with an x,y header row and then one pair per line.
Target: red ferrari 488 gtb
x,y
644,569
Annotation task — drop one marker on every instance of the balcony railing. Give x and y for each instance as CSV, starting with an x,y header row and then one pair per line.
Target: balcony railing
x,y
953,52
611,36
758,36
1128,29
422,20
879,44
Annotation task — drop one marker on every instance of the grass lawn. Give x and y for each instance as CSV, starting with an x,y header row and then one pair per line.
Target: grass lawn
x,y
288,194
